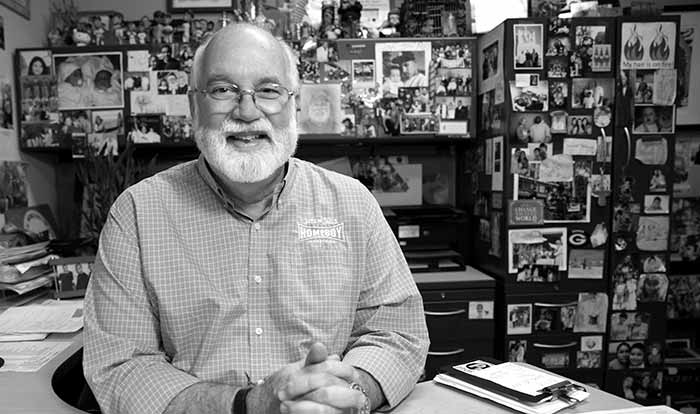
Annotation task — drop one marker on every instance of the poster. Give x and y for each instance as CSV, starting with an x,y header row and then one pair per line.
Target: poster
x,y
648,45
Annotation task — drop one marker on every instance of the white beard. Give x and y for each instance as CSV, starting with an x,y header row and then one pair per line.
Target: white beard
x,y
253,166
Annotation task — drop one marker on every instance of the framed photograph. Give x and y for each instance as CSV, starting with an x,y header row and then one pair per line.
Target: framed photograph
x,y
529,49
520,319
591,312
590,93
688,63
530,98
538,254
199,5
20,7
35,63
72,275
89,80
402,64
363,73
320,109
481,310
491,59
656,204
654,119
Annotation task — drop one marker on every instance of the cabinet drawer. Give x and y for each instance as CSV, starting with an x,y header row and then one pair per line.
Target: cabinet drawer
x,y
447,322
452,295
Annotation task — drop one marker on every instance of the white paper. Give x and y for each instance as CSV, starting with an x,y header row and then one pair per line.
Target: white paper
x,y
23,337
137,60
517,377
522,80
657,409
665,81
42,318
29,356
580,146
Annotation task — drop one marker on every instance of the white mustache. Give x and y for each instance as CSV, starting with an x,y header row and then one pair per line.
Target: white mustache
x,y
261,125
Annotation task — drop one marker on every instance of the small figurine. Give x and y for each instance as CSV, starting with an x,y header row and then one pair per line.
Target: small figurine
x,y
81,34
56,38
167,31
350,12
118,28
186,27
390,26
98,31
157,29
198,32
130,34
427,29
210,29
141,34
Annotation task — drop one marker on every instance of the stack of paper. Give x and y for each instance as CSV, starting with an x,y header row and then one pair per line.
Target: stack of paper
x,y
65,317
25,268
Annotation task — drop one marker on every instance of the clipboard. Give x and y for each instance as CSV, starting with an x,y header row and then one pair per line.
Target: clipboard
x,y
517,382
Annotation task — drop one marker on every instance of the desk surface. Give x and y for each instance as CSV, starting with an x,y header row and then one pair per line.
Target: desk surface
x,y
23,393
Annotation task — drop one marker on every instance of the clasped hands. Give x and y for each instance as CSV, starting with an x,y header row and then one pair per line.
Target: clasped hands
x,y
320,383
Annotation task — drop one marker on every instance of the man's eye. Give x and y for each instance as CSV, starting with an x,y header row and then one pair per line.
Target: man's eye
x,y
268,91
221,89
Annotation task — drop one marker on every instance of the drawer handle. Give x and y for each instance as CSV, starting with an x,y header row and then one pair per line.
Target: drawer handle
x,y
449,313
554,305
569,345
447,353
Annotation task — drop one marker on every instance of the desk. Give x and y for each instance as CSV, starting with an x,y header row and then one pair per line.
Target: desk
x,y
24,393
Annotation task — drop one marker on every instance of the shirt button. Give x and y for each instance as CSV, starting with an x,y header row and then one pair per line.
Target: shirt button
x,y
257,279
258,331
256,226
261,381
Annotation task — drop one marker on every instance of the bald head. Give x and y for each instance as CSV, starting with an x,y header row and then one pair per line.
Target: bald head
x,y
238,37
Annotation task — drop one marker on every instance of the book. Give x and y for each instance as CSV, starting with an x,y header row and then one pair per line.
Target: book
x,y
518,386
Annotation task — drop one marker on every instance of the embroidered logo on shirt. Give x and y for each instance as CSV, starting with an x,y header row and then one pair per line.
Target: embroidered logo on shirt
x,y
321,230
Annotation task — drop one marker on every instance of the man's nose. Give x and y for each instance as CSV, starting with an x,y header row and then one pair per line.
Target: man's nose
x,y
246,110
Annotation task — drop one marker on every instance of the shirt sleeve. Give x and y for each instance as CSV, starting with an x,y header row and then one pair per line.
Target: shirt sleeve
x,y
124,362
390,337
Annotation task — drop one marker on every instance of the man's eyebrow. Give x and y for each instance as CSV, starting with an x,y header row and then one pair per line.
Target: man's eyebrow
x,y
223,77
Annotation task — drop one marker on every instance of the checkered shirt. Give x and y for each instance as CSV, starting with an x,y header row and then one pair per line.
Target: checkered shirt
x,y
185,289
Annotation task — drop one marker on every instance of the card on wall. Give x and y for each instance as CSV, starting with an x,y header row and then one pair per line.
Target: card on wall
x,y
648,45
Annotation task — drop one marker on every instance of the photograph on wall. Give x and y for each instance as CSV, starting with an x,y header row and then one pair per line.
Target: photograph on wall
x,y
557,67
654,119
516,350
648,45
625,280
588,359
35,63
685,237
171,82
561,184
537,255
686,167
643,86
592,343
652,233
392,183
590,47
481,310
567,316
363,73
177,129
419,123
320,109
640,386
137,81
688,68
103,143
555,360
490,63
528,49
453,82
519,319
656,204
580,125
683,301
531,127
559,94
107,121
657,182
626,326
652,287
145,129
590,93
559,120
546,317
89,80
558,46
13,185
586,263
530,98
591,312
402,64
6,104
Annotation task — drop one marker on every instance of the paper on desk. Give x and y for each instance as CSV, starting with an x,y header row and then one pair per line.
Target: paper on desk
x,y
656,409
29,356
518,377
22,337
42,318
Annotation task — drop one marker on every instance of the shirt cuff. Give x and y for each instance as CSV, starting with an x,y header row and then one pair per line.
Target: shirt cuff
x,y
151,390
394,377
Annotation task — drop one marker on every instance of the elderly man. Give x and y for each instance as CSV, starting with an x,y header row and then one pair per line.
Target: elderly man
x,y
412,75
249,281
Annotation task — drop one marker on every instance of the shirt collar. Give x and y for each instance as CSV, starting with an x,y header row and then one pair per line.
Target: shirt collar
x,y
230,203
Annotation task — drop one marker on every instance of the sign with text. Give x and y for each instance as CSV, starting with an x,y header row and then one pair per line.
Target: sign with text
x,y
526,212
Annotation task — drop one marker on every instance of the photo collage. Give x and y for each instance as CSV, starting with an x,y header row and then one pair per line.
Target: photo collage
x,y
547,321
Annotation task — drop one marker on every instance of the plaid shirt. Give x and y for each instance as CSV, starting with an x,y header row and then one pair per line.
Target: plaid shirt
x,y
186,289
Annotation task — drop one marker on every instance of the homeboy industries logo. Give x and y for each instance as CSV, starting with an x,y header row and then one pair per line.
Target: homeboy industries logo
x,y
322,229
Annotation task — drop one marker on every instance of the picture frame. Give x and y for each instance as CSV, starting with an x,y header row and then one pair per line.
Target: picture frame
x,y
21,7
199,5
689,64
71,276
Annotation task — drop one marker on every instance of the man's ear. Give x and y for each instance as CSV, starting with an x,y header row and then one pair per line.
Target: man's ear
x,y
193,104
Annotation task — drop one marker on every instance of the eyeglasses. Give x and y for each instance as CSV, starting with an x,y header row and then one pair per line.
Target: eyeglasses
x,y
268,97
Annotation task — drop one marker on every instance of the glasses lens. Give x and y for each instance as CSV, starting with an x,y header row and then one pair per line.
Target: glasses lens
x,y
223,92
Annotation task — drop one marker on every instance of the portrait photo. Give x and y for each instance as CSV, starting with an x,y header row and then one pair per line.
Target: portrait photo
x,y
489,61
137,81
546,318
656,204
654,119
580,125
652,233
528,46
558,46
643,86
516,350
172,82
320,109
402,64
685,237
480,310
103,144
652,287
558,94
35,63
72,275
519,319
89,80
531,127
588,359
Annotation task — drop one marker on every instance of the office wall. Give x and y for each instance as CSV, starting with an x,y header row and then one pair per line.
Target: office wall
x,y
20,33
